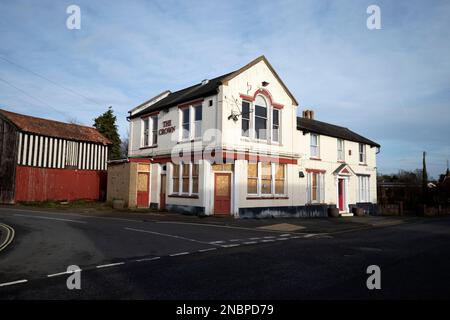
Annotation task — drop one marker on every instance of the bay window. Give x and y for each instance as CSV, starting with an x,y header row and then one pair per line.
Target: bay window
x,y
185,178
316,187
266,179
363,189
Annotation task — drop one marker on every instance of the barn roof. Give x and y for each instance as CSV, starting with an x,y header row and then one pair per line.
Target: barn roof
x,y
52,128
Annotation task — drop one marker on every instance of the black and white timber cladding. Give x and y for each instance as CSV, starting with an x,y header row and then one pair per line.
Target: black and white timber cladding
x,y
49,152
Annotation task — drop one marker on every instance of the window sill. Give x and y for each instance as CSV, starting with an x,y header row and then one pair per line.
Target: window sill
x,y
261,141
363,164
267,198
189,141
341,161
315,159
149,147
183,196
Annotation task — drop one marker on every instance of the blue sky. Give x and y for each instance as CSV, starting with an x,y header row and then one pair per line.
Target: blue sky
x,y
390,85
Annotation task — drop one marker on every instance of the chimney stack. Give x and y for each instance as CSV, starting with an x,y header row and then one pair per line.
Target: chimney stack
x,y
308,114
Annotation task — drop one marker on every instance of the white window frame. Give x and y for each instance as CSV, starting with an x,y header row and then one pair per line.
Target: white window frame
x,y
363,153
272,125
153,131
197,131
317,146
269,121
145,143
363,188
272,182
340,150
320,187
180,180
248,118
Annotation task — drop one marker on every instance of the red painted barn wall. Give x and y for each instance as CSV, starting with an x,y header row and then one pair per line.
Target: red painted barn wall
x,y
41,184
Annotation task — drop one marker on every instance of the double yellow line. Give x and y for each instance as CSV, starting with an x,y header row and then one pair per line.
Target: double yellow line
x,y
9,236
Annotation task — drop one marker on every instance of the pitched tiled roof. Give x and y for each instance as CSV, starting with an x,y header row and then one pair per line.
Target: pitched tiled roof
x,y
188,94
53,128
327,129
203,90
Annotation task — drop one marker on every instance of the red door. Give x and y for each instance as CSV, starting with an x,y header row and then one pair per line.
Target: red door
x,y
222,193
143,189
162,194
341,194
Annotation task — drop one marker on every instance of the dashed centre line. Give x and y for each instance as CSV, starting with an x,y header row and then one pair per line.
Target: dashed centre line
x,y
179,254
109,265
12,282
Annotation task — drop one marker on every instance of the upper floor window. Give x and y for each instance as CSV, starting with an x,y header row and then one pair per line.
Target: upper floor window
x,y
154,130
276,125
340,150
245,119
186,123
314,145
198,121
362,153
150,132
260,118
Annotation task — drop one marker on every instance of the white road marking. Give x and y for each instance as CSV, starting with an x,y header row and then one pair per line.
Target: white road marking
x,y
179,254
74,215
254,238
209,249
282,239
234,240
214,242
109,265
48,218
217,226
230,245
269,237
296,237
13,282
168,235
148,259
309,235
268,240
250,242
285,235
62,273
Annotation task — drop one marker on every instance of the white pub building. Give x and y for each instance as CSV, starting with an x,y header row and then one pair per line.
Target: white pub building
x,y
234,145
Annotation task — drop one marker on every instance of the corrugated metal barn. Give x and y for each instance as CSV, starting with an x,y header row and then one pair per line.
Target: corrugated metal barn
x,y
43,160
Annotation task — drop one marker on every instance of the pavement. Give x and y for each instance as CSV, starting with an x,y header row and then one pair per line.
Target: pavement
x,y
168,256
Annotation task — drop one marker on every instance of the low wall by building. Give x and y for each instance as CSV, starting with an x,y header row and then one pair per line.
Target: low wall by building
x,y
43,184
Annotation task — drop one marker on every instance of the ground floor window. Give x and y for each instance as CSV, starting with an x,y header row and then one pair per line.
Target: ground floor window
x,y
185,178
266,179
363,189
316,187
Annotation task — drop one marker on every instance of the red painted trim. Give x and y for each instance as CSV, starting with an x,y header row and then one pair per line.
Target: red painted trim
x,y
265,93
148,115
277,105
145,160
315,159
253,157
316,171
193,103
246,97
267,198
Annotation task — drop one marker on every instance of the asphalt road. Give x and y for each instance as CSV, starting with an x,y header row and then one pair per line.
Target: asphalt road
x,y
157,259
